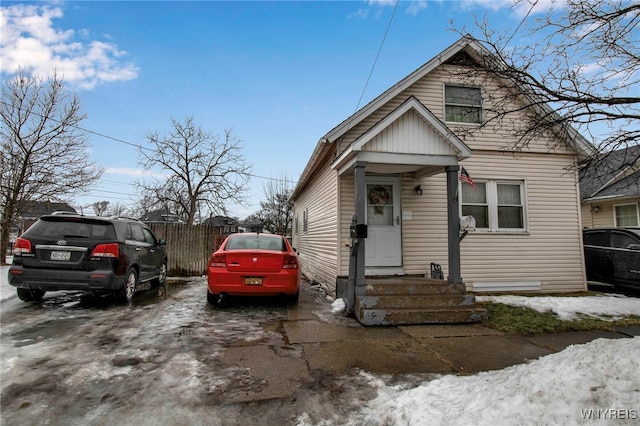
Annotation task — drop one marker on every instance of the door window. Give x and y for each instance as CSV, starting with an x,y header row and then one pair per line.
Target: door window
x,y
380,204
136,233
149,237
622,241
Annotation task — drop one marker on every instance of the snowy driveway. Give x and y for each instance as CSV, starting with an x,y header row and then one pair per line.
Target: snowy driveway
x,y
77,359
172,359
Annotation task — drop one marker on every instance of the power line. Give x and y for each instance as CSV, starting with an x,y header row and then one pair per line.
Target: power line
x,y
375,62
79,128
364,89
131,143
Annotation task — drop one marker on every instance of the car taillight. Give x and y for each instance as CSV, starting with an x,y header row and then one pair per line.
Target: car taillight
x,y
106,250
21,246
289,262
218,261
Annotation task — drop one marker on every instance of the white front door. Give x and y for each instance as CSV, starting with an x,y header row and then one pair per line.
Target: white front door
x,y
383,246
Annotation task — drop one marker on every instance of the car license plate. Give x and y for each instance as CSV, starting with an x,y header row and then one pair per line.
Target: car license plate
x,y
253,281
60,255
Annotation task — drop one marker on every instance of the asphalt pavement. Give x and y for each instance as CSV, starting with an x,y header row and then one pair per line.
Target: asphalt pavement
x,y
319,341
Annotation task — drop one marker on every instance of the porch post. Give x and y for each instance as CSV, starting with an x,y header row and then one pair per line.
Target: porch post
x,y
453,224
360,192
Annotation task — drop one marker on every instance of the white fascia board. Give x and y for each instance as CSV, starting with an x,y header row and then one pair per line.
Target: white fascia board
x,y
418,160
463,151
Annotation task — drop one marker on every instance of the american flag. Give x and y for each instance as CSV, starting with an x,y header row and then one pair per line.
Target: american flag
x,y
464,177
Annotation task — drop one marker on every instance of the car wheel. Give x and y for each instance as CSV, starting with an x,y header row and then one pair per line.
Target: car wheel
x,y
30,295
130,285
212,298
293,298
162,275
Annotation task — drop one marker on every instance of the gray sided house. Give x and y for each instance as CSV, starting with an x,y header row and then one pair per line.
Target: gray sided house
x,y
224,225
393,169
32,210
610,189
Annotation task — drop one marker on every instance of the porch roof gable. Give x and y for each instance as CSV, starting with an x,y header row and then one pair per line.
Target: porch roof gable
x,y
410,137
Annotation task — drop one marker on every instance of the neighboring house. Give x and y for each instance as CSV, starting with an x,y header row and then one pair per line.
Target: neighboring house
x,y
223,225
248,225
396,164
160,216
32,210
610,190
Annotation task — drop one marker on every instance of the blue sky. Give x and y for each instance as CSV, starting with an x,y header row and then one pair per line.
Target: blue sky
x,y
280,74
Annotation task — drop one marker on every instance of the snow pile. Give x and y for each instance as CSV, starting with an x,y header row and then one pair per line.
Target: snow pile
x,y
338,306
584,383
605,307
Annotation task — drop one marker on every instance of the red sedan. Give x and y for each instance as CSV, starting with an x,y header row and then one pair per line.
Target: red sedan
x,y
253,265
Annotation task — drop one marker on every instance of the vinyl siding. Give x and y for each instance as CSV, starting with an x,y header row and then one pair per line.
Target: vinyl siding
x,y
347,210
605,216
410,134
550,252
430,92
317,247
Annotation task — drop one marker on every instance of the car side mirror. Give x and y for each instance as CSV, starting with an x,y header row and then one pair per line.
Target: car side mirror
x,y
162,242
634,247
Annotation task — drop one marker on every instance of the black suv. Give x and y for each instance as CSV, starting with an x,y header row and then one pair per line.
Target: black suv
x,y
612,255
64,251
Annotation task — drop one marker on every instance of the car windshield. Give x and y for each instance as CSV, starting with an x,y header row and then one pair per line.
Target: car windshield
x,y
253,241
71,229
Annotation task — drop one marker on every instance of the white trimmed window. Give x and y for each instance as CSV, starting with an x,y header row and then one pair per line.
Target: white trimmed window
x,y
626,215
463,104
497,205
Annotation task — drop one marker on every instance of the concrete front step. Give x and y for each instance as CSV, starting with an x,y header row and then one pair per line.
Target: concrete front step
x,y
422,286
407,316
411,300
414,301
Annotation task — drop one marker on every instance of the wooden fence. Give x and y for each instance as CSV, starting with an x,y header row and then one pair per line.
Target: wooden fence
x,y
188,247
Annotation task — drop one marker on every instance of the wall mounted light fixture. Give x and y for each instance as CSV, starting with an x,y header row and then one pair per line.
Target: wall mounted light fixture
x,y
418,190
595,209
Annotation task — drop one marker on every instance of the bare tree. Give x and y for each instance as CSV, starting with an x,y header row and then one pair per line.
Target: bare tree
x,y
579,67
204,171
118,209
276,214
100,207
44,152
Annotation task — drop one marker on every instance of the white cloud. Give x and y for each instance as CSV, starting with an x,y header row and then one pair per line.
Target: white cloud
x,y
32,42
133,172
416,7
520,8
413,7
539,6
382,2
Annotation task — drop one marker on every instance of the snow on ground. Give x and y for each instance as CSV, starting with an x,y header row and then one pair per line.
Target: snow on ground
x,y
605,307
597,382
6,291
593,383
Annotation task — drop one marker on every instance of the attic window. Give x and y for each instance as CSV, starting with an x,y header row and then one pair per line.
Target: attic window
x,y
463,104
463,59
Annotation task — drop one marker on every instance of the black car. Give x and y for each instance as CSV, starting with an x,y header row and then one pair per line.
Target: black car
x,y
66,251
613,255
